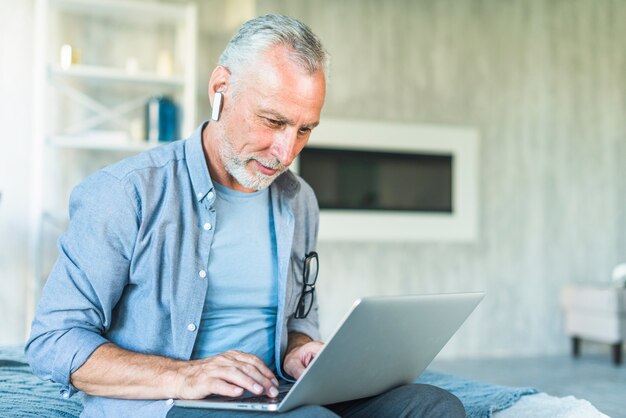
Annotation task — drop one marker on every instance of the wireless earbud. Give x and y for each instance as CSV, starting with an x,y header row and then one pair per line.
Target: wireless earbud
x,y
217,105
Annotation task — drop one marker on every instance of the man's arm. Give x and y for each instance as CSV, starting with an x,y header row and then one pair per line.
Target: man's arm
x,y
87,280
301,350
114,372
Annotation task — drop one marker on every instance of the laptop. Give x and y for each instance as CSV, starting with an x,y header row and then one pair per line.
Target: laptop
x,y
383,342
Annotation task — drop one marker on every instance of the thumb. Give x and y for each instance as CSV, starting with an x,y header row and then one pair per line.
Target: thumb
x,y
307,359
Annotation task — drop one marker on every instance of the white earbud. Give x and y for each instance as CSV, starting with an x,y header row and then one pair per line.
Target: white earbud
x,y
217,106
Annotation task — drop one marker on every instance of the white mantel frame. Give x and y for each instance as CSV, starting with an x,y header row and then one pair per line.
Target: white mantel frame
x,y
460,142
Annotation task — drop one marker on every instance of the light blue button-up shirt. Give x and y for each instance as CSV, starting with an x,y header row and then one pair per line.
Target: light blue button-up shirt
x,y
133,263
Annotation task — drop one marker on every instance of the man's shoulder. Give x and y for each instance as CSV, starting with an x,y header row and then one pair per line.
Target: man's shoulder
x,y
153,159
132,173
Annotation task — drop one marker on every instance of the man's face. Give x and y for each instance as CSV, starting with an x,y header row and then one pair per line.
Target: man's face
x,y
268,119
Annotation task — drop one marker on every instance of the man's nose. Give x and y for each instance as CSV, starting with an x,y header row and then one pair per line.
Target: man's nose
x,y
283,146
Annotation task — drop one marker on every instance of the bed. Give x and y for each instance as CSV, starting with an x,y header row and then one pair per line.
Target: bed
x,y
24,395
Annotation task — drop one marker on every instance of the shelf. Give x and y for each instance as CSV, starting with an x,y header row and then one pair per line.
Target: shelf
x,y
83,114
123,9
101,142
95,73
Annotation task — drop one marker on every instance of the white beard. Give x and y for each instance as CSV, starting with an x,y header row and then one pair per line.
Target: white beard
x,y
237,166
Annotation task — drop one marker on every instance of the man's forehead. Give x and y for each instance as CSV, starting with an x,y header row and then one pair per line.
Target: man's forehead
x,y
276,65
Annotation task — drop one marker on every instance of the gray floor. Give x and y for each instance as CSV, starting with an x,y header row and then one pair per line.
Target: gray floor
x,y
592,377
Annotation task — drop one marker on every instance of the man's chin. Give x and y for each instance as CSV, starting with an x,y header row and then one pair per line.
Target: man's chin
x,y
253,179
266,181
258,182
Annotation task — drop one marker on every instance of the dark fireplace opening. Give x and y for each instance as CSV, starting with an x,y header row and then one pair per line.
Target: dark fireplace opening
x,y
374,180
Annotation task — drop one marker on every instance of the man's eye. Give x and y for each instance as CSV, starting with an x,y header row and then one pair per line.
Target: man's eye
x,y
304,131
274,123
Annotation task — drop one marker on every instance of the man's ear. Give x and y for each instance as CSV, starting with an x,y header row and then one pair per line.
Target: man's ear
x,y
219,82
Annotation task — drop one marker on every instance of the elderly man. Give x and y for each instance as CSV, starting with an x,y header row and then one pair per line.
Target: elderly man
x,y
182,273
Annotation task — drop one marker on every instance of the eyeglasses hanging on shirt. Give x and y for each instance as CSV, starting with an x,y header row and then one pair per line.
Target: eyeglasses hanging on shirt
x,y
311,268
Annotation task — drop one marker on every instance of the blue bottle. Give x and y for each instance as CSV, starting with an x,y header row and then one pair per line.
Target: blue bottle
x,y
161,119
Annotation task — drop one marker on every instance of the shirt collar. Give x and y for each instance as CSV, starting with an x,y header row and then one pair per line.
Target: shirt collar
x,y
286,183
197,165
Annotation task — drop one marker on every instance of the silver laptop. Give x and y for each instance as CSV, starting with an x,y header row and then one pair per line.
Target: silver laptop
x,y
382,343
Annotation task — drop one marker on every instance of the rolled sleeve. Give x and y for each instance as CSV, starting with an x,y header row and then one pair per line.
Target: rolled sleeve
x,y
88,342
86,282
308,326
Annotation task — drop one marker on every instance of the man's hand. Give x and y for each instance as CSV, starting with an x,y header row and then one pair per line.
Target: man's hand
x,y
226,374
117,373
301,350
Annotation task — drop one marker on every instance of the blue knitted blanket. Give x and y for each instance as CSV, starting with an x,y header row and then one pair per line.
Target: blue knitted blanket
x,y
24,395
479,399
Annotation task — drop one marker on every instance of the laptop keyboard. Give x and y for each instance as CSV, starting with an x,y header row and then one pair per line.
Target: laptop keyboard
x,y
283,390
261,399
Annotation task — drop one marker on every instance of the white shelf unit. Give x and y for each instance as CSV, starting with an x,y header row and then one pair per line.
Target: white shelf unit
x,y
90,113
103,74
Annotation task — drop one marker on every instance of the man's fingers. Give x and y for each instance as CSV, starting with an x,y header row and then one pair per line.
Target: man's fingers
x,y
236,376
300,357
223,388
294,366
213,379
255,361
295,370
228,374
253,367
307,359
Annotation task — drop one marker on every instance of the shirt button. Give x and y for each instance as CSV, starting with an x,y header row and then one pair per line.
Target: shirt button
x,y
169,401
207,226
199,195
191,327
202,274
210,195
66,395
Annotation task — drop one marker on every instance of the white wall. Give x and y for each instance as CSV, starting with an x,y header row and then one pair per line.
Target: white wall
x,y
15,98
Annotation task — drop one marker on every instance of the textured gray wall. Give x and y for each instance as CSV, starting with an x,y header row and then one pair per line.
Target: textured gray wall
x,y
545,83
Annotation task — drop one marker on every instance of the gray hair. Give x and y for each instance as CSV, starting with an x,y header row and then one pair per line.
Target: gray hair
x,y
264,32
